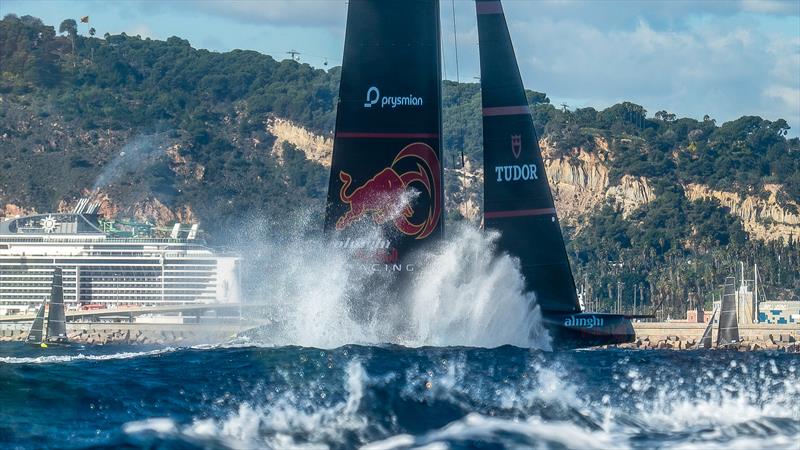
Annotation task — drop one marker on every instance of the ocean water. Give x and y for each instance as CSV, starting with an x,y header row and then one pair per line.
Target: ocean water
x,y
394,397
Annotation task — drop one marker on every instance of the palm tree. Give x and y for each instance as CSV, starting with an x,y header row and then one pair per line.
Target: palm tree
x,y
92,32
70,27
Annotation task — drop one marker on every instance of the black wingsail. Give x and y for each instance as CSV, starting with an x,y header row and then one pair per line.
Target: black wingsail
x,y
36,333
728,323
388,131
56,317
517,198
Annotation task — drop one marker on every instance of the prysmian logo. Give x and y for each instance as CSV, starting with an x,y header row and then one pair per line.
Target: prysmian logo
x,y
374,96
583,322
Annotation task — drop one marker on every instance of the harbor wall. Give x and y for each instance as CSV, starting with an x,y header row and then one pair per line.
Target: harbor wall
x,y
685,335
649,335
127,333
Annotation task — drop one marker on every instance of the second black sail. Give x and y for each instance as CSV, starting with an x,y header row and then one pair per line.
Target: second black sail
x,y
517,198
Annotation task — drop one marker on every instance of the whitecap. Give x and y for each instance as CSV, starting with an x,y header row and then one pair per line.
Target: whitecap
x,y
81,357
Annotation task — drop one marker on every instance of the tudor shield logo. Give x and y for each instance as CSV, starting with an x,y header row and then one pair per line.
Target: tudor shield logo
x,y
382,195
516,172
516,145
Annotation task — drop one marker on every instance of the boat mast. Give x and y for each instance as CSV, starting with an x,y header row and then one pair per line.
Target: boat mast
x,y
755,292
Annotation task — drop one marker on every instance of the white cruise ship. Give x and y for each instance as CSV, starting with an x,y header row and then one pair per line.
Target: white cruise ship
x,y
105,265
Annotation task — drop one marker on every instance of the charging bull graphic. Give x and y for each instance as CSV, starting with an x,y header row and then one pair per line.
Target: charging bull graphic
x,y
383,196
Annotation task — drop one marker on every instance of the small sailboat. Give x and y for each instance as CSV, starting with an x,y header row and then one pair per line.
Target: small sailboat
x,y
706,341
728,334
54,331
728,326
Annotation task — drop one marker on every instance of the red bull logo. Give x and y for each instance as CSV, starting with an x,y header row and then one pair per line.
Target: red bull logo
x,y
382,195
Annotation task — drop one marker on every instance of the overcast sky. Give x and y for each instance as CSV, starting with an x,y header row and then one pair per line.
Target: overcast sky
x,y
725,58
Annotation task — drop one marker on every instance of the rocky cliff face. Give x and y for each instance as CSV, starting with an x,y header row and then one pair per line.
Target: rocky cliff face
x,y
10,211
148,210
763,217
467,195
182,166
317,148
580,183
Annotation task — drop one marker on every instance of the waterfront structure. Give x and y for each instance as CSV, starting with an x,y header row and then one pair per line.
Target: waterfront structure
x,y
103,265
697,315
779,312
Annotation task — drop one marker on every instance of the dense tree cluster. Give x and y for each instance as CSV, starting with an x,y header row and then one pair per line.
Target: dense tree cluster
x,y
71,103
207,102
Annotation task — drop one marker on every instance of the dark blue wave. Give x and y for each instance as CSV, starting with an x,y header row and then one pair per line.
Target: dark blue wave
x,y
395,397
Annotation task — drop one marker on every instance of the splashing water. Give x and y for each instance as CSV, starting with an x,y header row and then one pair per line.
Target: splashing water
x,y
469,296
81,356
292,413
463,295
394,397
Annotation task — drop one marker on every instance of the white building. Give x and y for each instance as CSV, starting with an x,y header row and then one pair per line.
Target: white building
x,y
779,312
102,267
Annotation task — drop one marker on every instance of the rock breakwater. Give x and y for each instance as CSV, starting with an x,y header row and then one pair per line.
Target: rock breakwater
x,y
112,333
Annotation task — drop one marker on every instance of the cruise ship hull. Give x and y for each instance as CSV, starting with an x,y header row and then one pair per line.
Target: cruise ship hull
x,y
106,269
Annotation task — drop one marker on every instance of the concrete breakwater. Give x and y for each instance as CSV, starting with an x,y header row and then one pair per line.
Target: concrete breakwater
x,y
649,335
124,333
685,336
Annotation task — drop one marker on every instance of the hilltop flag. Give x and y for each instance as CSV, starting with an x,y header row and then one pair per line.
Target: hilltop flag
x,y
85,19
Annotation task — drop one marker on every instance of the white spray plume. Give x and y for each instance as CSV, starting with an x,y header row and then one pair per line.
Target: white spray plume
x,y
314,295
468,295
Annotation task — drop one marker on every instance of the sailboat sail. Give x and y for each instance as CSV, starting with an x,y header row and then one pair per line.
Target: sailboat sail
x,y
56,317
728,322
705,341
517,197
36,333
386,165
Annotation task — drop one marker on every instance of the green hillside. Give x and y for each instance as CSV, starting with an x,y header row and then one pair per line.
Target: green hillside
x,y
140,117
